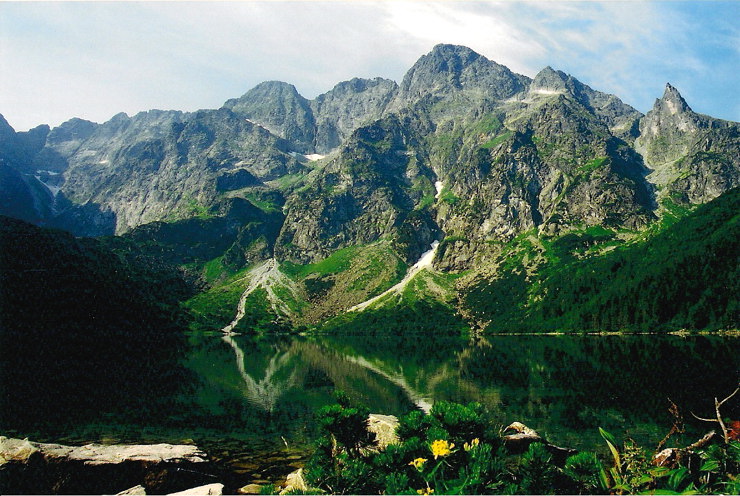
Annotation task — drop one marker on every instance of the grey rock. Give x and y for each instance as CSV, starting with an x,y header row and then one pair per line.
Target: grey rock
x,y
295,482
692,158
278,107
250,489
215,489
384,427
348,106
44,468
133,491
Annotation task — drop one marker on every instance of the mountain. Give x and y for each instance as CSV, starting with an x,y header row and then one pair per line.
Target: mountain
x,y
634,286
83,328
347,191
692,157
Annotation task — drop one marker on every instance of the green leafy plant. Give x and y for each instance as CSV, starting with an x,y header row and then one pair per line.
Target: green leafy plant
x,y
457,449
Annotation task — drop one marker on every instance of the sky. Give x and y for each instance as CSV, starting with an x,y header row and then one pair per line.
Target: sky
x,y
92,60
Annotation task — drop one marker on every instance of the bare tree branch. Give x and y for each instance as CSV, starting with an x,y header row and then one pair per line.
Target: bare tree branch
x,y
717,405
702,419
726,399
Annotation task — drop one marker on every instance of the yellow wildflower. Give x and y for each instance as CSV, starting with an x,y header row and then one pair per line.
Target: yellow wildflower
x,y
440,447
418,463
424,492
468,446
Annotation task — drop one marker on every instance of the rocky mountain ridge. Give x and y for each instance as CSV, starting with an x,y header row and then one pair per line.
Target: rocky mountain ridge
x,y
463,151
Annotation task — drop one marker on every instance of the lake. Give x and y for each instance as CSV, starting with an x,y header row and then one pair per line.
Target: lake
x,y
250,401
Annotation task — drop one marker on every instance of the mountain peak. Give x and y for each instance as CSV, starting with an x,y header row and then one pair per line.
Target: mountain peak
x,y
446,59
672,101
550,81
445,50
450,68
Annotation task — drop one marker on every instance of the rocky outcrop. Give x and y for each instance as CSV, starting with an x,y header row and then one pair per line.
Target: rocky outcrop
x,y
41,468
154,166
520,437
384,427
295,483
620,118
367,192
278,107
692,158
448,70
348,106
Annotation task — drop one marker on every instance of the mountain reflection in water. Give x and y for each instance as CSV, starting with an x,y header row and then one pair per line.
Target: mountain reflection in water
x,y
255,394
564,386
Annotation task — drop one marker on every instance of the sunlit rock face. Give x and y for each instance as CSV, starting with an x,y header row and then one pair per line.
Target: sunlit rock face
x,y
461,148
692,158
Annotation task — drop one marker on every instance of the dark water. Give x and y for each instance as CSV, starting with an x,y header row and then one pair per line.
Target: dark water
x,y
250,402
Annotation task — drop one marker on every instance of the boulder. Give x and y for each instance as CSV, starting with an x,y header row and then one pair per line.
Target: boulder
x,y
250,489
520,437
384,427
216,489
133,491
15,450
41,468
295,482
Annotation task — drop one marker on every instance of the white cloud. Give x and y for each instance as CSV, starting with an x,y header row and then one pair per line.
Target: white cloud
x,y
484,27
95,59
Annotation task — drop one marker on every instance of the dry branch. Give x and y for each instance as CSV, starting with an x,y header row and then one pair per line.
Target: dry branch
x,y
717,405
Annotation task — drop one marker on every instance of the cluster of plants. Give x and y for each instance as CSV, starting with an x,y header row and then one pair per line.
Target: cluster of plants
x,y
459,449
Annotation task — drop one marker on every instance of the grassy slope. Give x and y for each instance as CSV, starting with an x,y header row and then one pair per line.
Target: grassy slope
x,y
685,276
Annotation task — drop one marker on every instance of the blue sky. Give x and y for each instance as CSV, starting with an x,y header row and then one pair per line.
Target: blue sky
x,y
60,60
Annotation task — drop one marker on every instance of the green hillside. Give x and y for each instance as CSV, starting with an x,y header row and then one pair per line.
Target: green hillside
x,y
685,277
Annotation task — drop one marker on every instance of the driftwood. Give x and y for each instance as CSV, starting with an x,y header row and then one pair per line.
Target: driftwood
x,y
677,428
671,457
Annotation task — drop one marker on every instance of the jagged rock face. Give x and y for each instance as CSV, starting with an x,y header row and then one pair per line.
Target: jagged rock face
x,y
348,106
693,158
545,161
364,194
279,108
449,69
159,165
21,194
320,125
620,118
462,148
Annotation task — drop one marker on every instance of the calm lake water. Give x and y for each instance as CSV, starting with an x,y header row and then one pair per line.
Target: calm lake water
x,y
250,402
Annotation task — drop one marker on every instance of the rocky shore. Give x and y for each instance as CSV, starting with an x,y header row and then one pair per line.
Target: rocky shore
x,y
39,468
